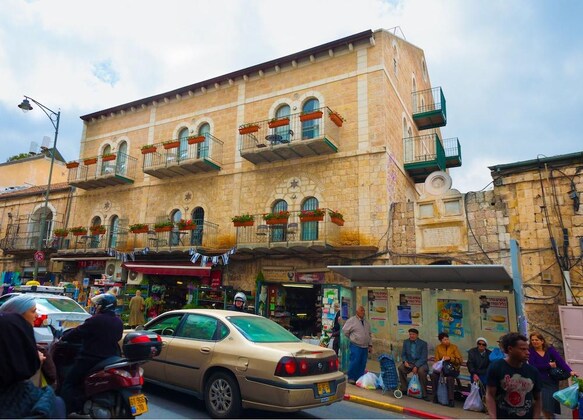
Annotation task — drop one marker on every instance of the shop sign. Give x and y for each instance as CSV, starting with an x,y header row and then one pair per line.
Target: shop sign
x,y
279,276
315,278
215,279
494,313
93,265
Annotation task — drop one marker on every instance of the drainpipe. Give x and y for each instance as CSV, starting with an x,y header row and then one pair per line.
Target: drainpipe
x,y
517,286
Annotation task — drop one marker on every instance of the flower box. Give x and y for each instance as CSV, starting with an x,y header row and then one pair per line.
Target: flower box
x,y
312,115
142,229
90,161
171,145
72,165
163,229
187,227
97,230
61,233
147,150
336,119
106,158
278,123
337,221
304,219
79,231
276,221
196,139
248,129
244,223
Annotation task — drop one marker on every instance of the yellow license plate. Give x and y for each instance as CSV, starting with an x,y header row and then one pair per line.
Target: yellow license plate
x,y
138,404
70,324
324,388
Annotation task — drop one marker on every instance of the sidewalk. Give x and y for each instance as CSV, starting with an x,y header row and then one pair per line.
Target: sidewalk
x,y
414,406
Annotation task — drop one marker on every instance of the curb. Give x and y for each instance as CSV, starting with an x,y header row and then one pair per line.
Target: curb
x,y
392,407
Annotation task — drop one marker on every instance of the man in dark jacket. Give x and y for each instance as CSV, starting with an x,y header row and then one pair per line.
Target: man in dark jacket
x,y
99,337
414,358
479,360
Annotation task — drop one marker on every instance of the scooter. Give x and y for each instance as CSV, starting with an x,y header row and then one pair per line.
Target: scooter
x,y
113,387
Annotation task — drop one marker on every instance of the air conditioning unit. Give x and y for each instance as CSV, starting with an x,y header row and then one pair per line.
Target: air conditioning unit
x,y
115,271
134,277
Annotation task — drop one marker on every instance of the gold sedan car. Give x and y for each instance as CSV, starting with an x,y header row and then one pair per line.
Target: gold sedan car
x,y
234,360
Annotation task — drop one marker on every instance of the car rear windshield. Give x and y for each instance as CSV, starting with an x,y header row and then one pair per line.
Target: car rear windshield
x,y
58,305
262,330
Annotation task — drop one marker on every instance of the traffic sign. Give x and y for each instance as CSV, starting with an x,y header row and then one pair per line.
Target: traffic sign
x,y
39,256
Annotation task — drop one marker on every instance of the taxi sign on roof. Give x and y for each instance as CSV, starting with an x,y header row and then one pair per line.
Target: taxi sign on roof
x,y
40,289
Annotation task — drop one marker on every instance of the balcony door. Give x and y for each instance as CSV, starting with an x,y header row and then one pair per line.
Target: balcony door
x,y
95,238
311,128
202,149
278,232
113,232
122,159
198,219
37,229
183,148
310,229
175,233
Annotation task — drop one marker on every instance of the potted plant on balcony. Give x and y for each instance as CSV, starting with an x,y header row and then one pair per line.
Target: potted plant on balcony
x,y
139,228
278,122
243,220
171,144
97,229
276,218
90,161
107,157
248,128
165,226
60,233
336,118
148,148
310,115
79,230
336,217
72,164
186,224
316,215
196,139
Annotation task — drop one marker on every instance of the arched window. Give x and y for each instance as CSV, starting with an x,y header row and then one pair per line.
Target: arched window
x,y
113,232
311,128
183,148
198,219
95,239
283,132
122,158
107,167
310,229
408,143
175,217
414,95
202,149
278,232
37,228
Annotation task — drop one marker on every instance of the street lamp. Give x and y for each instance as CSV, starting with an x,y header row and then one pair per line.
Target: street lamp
x,y
54,117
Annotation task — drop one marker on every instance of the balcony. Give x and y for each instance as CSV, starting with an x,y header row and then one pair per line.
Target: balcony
x,y
204,236
429,110
426,154
187,157
92,242
290,237
298,137
23,237
102,171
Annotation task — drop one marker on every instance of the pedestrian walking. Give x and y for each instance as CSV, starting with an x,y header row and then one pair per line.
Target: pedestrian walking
x,y
137,306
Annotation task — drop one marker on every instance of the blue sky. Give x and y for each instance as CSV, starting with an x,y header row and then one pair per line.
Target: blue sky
x,y
511,70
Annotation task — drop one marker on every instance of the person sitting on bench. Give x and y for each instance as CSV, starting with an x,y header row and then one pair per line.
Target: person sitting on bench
x,y
414,358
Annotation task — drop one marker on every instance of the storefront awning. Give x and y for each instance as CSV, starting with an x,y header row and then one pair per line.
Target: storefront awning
x,y
169,269
476,277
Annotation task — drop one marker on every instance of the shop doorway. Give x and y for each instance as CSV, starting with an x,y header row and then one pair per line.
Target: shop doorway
x,y
304,303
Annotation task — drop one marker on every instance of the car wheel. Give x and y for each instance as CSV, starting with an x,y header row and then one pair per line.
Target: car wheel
x,y
222,397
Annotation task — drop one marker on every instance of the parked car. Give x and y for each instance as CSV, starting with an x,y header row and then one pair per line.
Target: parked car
x,y
234,360
60,311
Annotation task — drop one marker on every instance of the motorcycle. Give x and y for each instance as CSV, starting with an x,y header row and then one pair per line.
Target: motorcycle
x,y
113,387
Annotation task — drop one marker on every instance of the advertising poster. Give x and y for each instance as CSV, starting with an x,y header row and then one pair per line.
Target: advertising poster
x,y
494,313
378,301
409,309
450,316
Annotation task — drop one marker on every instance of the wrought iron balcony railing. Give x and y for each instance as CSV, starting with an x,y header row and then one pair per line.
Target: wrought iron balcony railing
x,y
429,108
102,171
205,235
24,236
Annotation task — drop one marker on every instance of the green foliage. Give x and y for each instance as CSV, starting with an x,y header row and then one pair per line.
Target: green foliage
x,y
18,157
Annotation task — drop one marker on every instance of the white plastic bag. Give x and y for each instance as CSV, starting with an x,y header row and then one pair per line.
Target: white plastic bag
x,y
380,381
414,388
331,343
367,381
474,400
437,366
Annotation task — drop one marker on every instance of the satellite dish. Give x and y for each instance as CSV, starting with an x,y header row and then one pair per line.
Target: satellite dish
x,y
46,142
437,183
33,150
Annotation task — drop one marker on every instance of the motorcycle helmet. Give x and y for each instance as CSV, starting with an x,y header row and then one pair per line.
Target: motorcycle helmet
x,y
106,302
241,297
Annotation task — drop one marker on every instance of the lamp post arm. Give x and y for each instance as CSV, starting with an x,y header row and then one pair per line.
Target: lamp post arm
x,y
53,116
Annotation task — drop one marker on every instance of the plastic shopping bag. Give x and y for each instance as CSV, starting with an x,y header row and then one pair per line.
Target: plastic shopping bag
x,y
437,366
414,388
367,381
380,382
569,396
474,400
442,394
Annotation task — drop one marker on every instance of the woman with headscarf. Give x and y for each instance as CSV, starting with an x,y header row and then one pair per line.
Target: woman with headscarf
x,y
19,360
25,306
479,360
